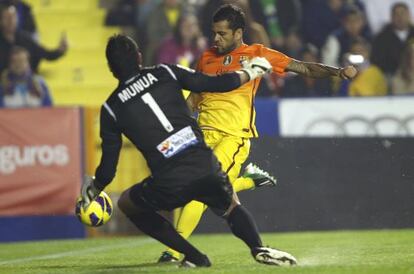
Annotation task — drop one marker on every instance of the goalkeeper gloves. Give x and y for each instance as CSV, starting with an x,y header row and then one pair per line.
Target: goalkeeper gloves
x,y
256,67
89,190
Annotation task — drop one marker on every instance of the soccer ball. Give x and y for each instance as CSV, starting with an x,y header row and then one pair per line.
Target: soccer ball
x,y
97,213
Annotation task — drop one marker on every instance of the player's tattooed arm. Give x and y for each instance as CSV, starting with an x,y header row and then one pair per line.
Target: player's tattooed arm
x,y
318,70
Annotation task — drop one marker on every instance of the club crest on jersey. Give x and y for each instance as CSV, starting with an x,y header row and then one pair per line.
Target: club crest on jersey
x,y
243,59
227,60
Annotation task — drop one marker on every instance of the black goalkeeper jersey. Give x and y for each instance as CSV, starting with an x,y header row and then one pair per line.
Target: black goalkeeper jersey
x,y
150,110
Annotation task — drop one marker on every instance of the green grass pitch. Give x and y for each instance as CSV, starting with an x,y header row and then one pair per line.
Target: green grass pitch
x,y
382,251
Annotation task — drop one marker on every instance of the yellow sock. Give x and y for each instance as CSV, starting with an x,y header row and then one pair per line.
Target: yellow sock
x,y
242,183
187,221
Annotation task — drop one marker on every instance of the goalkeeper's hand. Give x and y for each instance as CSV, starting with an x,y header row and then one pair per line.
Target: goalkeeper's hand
x,y
89,191
256,67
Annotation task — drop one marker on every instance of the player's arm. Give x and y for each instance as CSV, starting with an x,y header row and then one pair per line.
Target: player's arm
x,y
318,70
195,98
282,63
199,82
111,146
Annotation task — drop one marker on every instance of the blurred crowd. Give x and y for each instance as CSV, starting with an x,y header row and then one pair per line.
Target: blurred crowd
x,y
377,38
20,55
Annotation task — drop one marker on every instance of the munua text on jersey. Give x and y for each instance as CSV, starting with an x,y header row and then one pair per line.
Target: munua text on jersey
x,y
137,87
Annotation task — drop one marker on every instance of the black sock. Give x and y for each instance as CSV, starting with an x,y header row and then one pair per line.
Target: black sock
x,y
244,227
154,225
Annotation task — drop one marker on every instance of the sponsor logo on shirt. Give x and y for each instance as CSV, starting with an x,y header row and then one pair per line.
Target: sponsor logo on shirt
x,y
177,142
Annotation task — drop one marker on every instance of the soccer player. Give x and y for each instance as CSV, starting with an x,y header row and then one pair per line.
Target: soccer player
x,y
228,119
149,109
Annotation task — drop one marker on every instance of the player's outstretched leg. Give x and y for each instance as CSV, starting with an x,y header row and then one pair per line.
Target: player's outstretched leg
x,y
244,227
156,226
253,177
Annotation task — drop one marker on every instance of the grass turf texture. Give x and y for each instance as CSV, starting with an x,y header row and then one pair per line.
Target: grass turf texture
x,y
383,251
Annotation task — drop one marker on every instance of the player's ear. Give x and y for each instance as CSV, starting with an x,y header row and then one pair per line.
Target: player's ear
x,y
238,34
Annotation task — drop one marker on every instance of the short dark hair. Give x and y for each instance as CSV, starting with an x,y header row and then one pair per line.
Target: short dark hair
x,y
352,10
122,54
233,14
399,5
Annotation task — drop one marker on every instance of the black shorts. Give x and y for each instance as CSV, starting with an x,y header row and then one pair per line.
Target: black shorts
x,y
214,190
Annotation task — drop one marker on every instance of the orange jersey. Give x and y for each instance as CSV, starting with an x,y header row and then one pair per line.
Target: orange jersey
x,y
233,112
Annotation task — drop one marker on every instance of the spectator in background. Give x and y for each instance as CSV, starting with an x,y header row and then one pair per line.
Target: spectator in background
x,y
25,18
293,44
378,12
160,24
322,17
185,45
132,17
278,18
370,80
389,44
353,26
143,11
121,13
403,80
302,86
10,36
19,86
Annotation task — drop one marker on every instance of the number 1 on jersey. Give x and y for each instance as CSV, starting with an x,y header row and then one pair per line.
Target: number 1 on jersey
x,y
149,100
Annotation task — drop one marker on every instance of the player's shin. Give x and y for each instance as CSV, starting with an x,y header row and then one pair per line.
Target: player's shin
x,y
244,227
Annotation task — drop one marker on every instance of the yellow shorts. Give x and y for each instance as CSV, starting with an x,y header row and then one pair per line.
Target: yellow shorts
x,y
231,151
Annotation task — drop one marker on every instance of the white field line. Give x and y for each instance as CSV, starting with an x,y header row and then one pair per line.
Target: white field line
x,y
77,252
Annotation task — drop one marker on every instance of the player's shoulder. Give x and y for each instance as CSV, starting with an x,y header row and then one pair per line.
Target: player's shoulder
x,y
157,69
111,100
212,51
254,49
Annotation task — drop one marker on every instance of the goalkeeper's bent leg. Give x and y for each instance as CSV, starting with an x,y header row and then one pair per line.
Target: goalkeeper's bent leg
x,y
187,221
156,226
